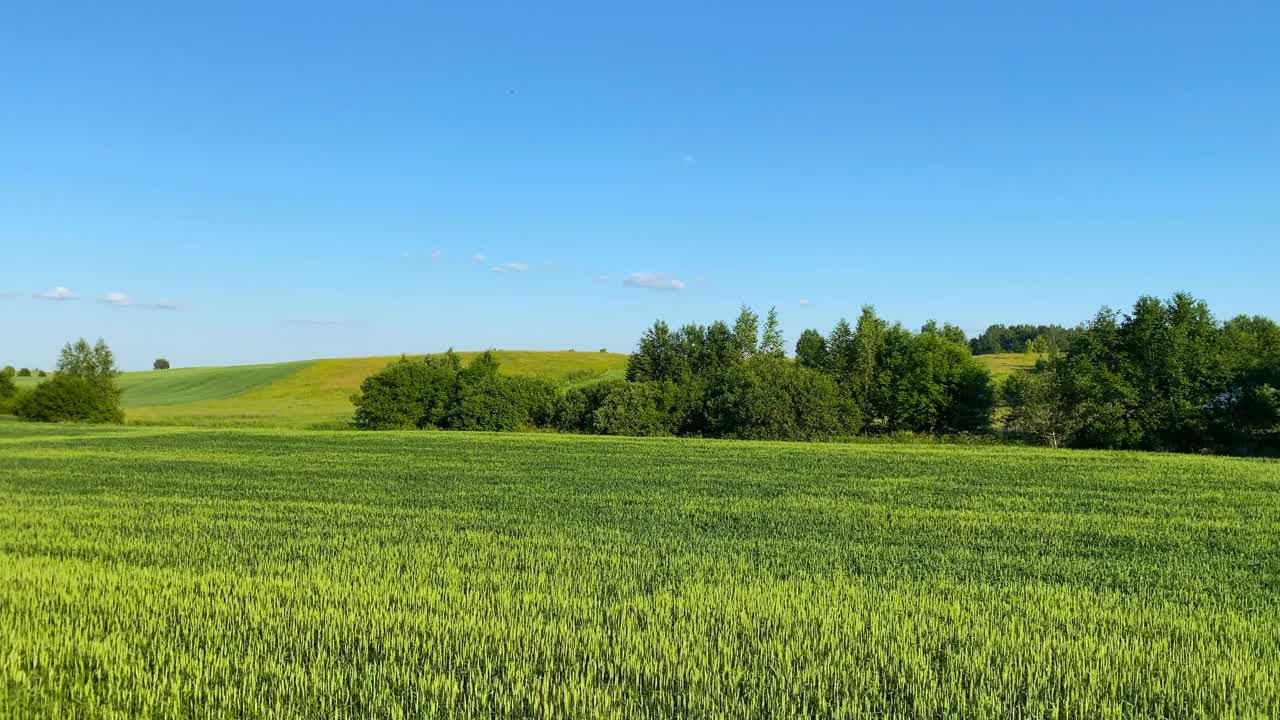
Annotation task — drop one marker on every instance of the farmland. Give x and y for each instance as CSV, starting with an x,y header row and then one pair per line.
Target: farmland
x,y
159,572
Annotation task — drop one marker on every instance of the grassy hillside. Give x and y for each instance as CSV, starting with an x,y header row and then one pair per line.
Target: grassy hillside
x,y
318,392
1002,365
157,571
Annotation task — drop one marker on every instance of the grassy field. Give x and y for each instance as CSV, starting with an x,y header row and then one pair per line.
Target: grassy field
x,y
1003,365
162,572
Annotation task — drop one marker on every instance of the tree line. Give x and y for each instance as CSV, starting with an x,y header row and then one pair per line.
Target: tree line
x,y
1166,376
1023,338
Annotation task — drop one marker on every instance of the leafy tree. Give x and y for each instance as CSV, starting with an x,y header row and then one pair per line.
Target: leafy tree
x,y
1037,406
160,364
24,372
811,350
69,398
41,373
771,342
8,371
97,364
746,333
840,351
7,388
867,356
658,356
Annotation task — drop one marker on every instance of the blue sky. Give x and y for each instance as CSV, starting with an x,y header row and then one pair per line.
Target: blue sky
x,y
274,181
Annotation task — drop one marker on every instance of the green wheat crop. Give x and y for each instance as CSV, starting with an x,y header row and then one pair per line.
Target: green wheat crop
x,y
148,572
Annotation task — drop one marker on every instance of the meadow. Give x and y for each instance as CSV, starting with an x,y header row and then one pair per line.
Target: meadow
x,y
163,572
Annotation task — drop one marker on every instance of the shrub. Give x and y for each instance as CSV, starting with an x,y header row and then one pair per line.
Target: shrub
x,y
773,399
7,388
575,409
9,371
407,394
24,372
634,409
69,398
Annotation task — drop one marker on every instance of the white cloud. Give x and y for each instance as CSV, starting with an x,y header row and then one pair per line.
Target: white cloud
x,y
602,278
436,254
58,293
510,267
478,258
804,302
116,298
653,281
166,304
689,159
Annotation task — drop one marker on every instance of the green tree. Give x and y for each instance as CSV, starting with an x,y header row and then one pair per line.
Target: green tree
x,y
1037,407
7,388
160,364
811,350
658,356
24,372
634,409
8,371
840,351
771,342
746,333
407,394
96,363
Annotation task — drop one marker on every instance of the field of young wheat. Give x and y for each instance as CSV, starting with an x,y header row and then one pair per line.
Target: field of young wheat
x,y
165,572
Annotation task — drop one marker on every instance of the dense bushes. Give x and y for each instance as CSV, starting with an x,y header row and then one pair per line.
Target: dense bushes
x,y
437,392
69,398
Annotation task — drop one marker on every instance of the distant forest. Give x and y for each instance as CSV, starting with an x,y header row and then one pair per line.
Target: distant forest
x,y
1023,338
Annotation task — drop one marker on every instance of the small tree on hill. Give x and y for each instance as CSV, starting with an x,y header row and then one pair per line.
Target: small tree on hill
x,y
160,364
24,372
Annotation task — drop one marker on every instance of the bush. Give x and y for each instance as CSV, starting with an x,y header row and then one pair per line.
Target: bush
x,y
69,398
773,399
634,409
8,371
24,372
160,364
7,388
407,394
575,409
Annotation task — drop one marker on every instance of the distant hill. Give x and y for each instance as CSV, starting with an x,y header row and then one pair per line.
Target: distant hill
x,y
311,392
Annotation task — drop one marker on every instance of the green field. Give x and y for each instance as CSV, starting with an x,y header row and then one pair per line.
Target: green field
x,y
164,572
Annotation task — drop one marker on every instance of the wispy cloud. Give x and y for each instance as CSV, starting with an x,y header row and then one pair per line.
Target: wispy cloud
x,y
57,293
166,304
602,278
116,298
510,267
690,159
479,258
653,281
804,302
437,254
